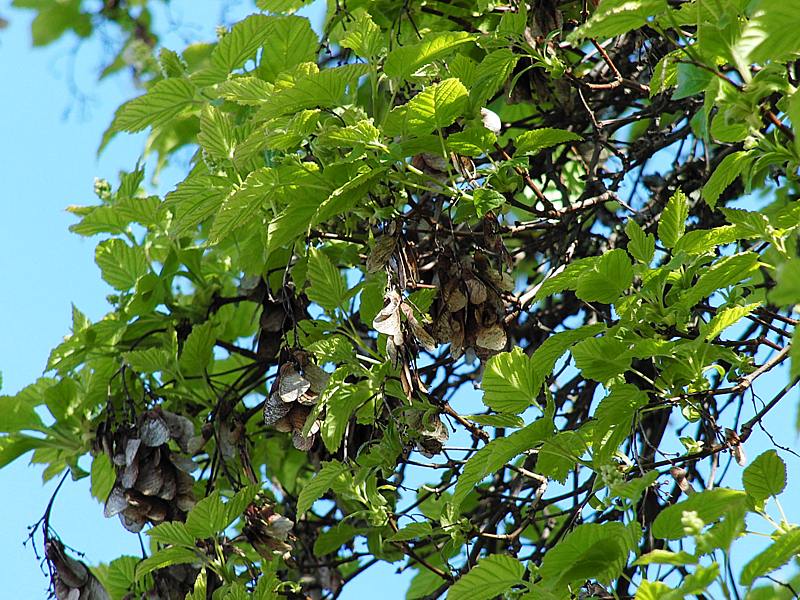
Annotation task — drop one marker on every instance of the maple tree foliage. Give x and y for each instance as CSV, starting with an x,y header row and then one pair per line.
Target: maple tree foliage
x,y
490,291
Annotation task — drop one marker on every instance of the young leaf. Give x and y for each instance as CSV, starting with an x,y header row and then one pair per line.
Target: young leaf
x,y
121,265
103,476
364,37
174,555
173,533
672,224
509,382
726,172
640,246
611,276
198,349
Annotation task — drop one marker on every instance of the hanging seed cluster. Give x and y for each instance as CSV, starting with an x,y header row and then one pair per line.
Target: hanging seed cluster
x,y
294,394
469,311
471,275
267,531
153,481
70,578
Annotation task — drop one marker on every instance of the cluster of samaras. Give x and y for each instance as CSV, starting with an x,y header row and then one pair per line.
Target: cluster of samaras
x,y
469,310
153,483
293,395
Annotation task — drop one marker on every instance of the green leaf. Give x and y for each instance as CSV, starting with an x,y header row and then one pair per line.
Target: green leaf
x,y
200,588
491,75
405,60
701,241
150,360
236,505
323,89
665,557
244,205
493,575
726,272
17,413
615,414
341,400
710,505
535,140
208,517
174,555
320,484
765,476
120,265
235,48
601,358
498,452
697,582
774,16
363,37
782,549
485,200
612,274
672,224
281,6
615,17
194,200
640,246
216,135
655,590
725,318
117,577
501,420
690,80
56,18
163,102
327,288
787,291
103,477
558,455
411,531
246,90
512,381
509,382
436,107
726,172
173,533
290,42
331,540
588,551
198,349
15,445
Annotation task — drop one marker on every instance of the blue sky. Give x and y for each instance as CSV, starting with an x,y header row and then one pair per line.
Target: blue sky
x,y
48,161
